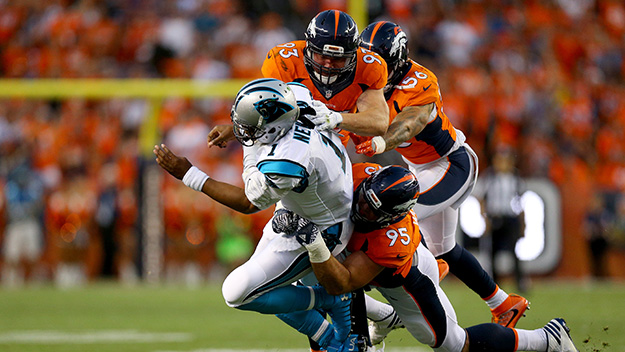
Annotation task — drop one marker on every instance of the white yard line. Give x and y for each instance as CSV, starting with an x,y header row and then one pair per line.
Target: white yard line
x,y
87,337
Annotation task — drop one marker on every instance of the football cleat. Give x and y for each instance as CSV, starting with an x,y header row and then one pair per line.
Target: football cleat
x,y
510,311
378,330
340,312
443,269
559,337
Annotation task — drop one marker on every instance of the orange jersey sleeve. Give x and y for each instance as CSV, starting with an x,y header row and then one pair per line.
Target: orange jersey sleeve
x,y
391,247
420,87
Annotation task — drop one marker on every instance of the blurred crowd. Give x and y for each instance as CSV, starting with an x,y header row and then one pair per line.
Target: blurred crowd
x,y
543,78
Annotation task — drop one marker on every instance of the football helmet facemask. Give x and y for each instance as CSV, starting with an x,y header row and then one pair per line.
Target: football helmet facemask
x,y
263,110
389,41
331,33
384,197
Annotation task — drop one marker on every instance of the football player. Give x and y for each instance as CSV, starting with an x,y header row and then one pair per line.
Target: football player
x,y
346,80
385,251
307,171
444,163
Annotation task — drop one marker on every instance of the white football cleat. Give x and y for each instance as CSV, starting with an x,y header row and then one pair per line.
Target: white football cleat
x,y
379,329
559,337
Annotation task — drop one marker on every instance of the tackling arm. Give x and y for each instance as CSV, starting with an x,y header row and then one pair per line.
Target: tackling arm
x,y
407,124
355,272
372,118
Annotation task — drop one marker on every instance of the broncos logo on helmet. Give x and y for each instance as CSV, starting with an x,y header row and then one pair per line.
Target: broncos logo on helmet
x,y
389,41
384,198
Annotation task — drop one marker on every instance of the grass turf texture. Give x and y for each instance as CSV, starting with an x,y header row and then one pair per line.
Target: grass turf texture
x,y
179,319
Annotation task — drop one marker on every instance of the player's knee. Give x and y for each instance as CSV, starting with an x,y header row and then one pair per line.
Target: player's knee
x,y
234,288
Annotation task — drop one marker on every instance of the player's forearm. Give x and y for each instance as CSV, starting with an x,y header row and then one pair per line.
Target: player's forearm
x,y
229,195
399,133
366,123
333,276
407,124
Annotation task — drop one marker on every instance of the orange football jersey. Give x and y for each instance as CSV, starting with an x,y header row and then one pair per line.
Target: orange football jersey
x,y
286,62
393,246
420,87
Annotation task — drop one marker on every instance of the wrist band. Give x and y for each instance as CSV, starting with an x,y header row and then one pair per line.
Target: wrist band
x,y
379,143
194,178
318,252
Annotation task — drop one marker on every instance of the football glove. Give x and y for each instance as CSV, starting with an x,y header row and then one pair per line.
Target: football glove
x,y
324,118
304,231
375,145
284,221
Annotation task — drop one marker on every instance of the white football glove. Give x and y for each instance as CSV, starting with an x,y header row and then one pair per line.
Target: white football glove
x,y
325,119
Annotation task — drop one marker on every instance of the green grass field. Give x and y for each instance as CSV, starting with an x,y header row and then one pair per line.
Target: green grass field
x,y
106,317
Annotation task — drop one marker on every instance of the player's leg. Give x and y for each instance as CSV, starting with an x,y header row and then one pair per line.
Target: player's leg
x,y
446,184
554,336
424,308
264,284
280,262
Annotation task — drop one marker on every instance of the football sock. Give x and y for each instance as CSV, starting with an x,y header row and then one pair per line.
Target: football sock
x,y
491,337
496,299
466,267
532,340
310,323
376,310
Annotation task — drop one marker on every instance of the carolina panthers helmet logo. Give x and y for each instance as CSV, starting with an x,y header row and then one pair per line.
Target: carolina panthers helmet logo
x,y
399,42
272,109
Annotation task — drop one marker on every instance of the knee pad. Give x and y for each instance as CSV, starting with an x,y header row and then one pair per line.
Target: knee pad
x,y
234,287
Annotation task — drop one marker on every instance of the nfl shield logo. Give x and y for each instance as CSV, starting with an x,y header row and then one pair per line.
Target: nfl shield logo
x,y
328,94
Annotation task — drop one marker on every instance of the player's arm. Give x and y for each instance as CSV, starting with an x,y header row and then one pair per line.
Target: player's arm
x,y
372,118
407,124
225,193
356,271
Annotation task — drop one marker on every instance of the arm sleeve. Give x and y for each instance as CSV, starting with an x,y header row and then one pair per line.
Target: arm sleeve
x,y
265,190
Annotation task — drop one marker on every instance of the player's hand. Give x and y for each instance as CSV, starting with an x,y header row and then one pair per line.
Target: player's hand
x,y
307,232
220,135
284,221
375,145
175,165
324,118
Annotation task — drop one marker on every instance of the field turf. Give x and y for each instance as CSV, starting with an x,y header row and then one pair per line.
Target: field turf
x,y
106,317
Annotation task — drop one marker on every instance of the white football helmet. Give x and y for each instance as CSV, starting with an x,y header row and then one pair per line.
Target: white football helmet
x,y
263,110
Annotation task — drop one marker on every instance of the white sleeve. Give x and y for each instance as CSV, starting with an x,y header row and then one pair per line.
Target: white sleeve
x,y
264,191
250,157
301,92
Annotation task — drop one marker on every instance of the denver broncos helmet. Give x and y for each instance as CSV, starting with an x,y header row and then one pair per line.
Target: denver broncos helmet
x,y
331,33
384,197
264,110
389,41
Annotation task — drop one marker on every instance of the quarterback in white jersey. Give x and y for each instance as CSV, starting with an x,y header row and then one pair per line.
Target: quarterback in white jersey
x,y
286,161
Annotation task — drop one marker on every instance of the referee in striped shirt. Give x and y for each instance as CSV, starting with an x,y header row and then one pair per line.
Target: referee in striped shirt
x,y
501,202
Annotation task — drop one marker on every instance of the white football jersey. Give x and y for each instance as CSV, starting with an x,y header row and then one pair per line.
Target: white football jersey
x,y
308,170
